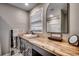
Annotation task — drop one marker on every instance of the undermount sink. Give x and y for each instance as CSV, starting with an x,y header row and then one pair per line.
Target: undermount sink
x,y
30,35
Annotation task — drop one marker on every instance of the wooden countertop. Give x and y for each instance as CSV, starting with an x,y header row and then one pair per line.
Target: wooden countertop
x,y
54,47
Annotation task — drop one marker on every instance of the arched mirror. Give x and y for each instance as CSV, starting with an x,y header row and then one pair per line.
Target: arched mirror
x,y
57,18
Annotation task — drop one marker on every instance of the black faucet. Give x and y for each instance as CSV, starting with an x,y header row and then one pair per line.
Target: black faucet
x,y
32,32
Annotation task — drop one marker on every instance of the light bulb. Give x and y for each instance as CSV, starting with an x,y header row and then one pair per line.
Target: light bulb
x,y
26,4
51,15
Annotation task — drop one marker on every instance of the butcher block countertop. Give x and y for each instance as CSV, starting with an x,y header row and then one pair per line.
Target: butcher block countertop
x,y
54,47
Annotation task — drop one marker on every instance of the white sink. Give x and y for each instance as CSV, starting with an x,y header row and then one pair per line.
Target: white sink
x,y
30,35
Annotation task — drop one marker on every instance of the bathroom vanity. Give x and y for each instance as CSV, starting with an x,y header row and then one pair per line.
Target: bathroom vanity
x,y
44,46
33,49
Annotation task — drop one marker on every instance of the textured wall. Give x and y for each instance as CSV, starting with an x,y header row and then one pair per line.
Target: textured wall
x,y
11,18
15,17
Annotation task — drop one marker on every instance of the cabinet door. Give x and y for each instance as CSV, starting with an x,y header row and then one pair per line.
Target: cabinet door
x,y
28,48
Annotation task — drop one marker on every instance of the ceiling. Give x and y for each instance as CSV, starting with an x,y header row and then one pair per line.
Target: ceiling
x,y
24,7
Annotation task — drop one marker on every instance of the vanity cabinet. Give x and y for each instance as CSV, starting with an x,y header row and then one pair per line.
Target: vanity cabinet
x,y
29,47
41,51
25,48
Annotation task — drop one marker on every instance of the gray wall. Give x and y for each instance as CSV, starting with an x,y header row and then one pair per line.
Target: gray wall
x,y
4,36
15,17
11,18
73,20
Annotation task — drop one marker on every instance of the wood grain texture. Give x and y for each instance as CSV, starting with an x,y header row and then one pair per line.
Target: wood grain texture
x,y
58,48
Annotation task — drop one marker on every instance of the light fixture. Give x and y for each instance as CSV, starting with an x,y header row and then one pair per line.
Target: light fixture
x,y
26,4
51,15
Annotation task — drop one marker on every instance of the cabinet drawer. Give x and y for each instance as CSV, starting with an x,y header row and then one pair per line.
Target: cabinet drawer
x,y
41,51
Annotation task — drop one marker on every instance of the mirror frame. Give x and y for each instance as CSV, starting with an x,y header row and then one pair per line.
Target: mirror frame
x,y
68,11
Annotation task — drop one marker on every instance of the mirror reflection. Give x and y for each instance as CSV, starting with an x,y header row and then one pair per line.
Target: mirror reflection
x,y
57,18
